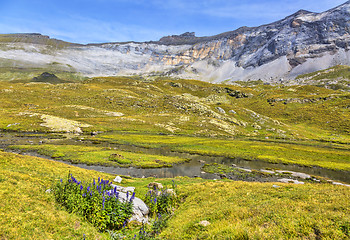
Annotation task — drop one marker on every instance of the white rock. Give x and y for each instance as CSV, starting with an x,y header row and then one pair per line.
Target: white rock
x,y
118,179
287,180
123,189
204,223
245,169
140,209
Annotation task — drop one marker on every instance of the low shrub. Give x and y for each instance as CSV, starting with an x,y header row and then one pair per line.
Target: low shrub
x,y
98,202
161,201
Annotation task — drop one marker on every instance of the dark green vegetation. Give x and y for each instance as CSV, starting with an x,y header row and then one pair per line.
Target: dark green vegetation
x,y
97,202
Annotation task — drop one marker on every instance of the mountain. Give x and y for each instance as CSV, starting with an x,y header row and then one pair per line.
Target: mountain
x,y
298,44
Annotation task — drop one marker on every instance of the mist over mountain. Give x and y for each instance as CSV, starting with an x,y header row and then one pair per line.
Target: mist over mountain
x,y
300,43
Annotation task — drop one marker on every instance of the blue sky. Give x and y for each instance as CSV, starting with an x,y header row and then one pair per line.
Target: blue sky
x,y
96,21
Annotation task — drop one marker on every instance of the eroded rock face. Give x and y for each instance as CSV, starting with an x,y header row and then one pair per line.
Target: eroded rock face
x,y
300,43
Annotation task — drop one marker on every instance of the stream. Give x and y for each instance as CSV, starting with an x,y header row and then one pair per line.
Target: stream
x,y
191,168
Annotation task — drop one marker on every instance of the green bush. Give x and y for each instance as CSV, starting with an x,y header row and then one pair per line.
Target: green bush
x,y
161,201
98,202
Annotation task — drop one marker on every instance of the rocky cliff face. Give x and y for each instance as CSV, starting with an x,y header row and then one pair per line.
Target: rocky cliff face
x,y
300,43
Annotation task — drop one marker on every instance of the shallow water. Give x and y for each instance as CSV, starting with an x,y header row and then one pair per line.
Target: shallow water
x,y
190,169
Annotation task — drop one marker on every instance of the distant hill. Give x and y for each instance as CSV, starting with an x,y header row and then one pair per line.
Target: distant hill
x,y
48,78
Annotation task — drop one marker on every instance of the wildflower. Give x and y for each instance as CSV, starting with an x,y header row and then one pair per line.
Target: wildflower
x,y
115,190
84,195
155,200
81,187
61,180
132,197
88,189
98,179
94,182
103,202
127,195
124,224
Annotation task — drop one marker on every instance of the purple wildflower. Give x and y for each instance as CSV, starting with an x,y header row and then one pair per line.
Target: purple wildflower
x,y
127,195
81,187
94,182
124,224
132,197
61,180
103,202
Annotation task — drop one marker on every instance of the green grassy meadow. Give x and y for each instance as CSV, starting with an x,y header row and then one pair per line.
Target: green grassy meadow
x,y
235,210
307,125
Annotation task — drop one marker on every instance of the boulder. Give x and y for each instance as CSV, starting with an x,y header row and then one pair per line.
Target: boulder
x,y
155,185
140,209
221,110
204,223
118,179
123,189
232,111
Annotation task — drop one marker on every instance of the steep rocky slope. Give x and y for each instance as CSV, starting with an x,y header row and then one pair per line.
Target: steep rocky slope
x,y
298,44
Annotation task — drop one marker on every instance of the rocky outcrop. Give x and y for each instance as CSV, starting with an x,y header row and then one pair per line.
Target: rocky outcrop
x,y
300,43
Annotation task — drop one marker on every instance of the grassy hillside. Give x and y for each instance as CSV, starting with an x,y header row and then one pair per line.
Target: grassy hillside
x,y
181,107
333,78
235,210
305,125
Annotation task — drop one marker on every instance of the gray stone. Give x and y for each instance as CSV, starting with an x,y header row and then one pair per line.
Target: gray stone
x,y
123,189
156,185
287,180
204,223
232,111
245,169
140,209
267,171
118,179
221,110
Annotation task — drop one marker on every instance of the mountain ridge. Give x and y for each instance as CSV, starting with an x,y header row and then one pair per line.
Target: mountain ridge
x,y
300,43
